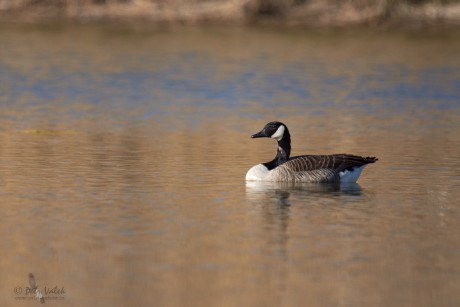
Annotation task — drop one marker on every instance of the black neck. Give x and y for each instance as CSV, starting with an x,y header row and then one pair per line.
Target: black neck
x,y
283,152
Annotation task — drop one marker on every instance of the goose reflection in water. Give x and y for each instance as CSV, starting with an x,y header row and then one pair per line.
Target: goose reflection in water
x,y
264,191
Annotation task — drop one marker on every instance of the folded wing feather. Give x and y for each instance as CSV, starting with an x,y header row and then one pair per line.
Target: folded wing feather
x,y
319,168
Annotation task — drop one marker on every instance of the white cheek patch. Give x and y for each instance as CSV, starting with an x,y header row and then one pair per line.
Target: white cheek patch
x,y
278,135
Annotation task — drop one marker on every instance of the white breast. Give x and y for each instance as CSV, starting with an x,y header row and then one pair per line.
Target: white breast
x,y
258,173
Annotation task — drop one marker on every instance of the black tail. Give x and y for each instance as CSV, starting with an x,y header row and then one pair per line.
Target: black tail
x,y
371,159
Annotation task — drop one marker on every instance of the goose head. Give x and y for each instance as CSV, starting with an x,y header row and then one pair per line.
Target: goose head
x,y
274,130
279,132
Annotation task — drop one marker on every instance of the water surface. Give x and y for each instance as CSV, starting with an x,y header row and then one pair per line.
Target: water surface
x,y
123,155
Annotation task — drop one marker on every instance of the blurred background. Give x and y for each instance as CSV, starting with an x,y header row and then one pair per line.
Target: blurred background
x,y
305,12
125,139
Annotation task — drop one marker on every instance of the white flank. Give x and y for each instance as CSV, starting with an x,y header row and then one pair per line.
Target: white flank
x,y
278,135
257,173
351,176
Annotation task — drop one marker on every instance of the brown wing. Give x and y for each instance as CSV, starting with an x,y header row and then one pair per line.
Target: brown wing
x,y
337,162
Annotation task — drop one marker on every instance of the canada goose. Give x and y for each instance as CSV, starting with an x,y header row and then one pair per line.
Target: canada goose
x,y
342,168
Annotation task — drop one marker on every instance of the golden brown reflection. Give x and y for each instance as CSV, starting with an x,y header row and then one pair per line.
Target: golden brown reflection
x,y
174,222
144,203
